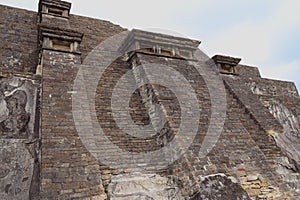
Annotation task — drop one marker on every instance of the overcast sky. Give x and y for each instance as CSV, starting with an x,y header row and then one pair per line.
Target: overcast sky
x,y
265,33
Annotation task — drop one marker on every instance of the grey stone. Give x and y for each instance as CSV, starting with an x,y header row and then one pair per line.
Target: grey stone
x,y
143,186
219,187
16,169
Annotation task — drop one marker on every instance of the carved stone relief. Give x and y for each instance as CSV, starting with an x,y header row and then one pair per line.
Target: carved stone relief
x,y
289,140
19,152
17,108
272,89
16,169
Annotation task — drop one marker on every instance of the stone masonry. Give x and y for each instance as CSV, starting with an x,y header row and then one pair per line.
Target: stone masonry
x,y
65,134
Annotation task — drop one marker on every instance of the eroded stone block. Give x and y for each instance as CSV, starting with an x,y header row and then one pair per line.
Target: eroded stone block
x,y
18,99
143,186
16,169
219,186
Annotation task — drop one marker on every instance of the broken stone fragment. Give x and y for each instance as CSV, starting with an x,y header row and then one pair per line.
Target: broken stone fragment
x,y
252,177
219,187
143,187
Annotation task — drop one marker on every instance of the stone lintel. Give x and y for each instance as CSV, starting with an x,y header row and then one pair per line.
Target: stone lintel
x,y
226,64
226,60
160,44
59,39
55,7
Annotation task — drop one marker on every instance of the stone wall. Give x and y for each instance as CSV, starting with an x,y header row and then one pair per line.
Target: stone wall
x,y
19,137
68,170
43,155
18,39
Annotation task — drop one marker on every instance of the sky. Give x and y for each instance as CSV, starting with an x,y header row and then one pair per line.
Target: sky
x,y
265,34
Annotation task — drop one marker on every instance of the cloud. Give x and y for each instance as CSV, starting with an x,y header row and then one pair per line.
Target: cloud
x,y
131,13
255,41
284,70
253,30
287,71
258,42
29,5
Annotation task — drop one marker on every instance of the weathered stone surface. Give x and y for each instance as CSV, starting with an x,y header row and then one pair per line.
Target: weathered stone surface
x,y
18,40
143,186
289,140
18,98
19,139
289,173
16,169
258,149
219,187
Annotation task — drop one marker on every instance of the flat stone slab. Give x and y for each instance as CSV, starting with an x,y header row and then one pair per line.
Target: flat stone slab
x,y
142,187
